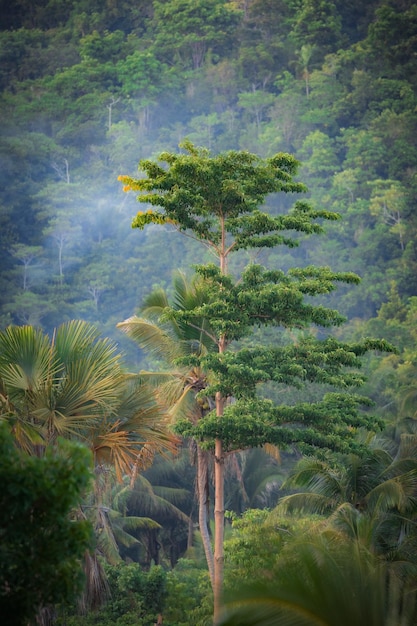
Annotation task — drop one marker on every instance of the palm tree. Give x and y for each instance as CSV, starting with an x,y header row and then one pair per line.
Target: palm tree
x,y
253,479
163,505
173,479
371,499
59,386
72,385
180,387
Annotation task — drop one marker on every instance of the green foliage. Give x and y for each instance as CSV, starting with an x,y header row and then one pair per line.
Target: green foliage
x,y
195,28
189,599
136,598
134,590
253,551
320,582
232,184
329,424
215,199
42,542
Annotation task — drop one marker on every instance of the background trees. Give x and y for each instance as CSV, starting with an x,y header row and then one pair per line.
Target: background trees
x,y
121,85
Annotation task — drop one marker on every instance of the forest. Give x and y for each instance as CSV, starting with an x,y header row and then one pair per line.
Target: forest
x,y
208,298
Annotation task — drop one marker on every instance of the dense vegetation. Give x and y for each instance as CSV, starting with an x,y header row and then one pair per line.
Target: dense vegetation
x,y
89,88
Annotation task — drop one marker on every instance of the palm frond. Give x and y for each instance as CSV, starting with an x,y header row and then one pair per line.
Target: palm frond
x,y
353,524
73,338
26,362
304,502
154,303
123,526
395,493
121,448
316,476
133,522
26,434
144,501
152,337
174,390
174,495
96,590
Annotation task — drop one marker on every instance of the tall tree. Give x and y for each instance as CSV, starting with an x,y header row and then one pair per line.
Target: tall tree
x,y
215,200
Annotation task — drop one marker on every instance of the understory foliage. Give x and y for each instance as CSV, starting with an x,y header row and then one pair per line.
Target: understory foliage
x,y
136,598
325,581
341,549
73,386
42,540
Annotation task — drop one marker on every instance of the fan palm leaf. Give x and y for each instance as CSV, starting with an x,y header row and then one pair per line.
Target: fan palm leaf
x,y
59,385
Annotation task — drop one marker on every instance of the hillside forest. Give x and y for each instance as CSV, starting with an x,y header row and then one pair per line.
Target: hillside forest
x,y
210,359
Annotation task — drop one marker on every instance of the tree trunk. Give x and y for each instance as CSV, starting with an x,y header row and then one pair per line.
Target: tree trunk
x,y
219,468
218,516
203,498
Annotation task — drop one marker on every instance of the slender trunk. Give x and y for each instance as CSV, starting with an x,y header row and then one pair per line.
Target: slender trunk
x,y
203,496
60,242
219,471
219,523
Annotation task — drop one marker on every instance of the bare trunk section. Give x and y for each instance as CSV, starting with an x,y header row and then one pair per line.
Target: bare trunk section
x,y
203,508
219,468
219,529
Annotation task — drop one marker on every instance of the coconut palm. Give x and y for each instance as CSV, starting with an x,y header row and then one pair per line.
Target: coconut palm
x,y
173,479
158,504
253,479
372,499
181,384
